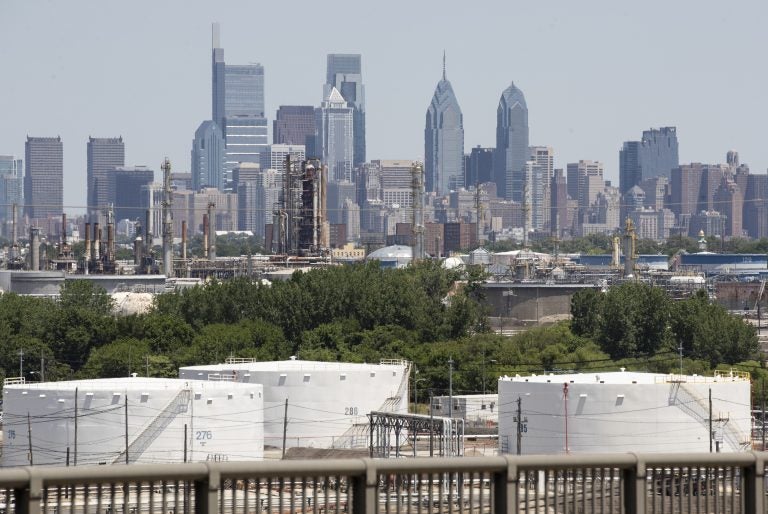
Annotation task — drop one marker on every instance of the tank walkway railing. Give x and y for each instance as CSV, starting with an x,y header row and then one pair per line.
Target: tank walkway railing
x,y
598,483
177,405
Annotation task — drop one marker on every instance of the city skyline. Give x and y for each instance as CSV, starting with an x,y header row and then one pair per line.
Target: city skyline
x,y
580,119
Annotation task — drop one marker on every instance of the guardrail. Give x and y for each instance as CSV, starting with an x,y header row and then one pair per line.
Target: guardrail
x,y
605,483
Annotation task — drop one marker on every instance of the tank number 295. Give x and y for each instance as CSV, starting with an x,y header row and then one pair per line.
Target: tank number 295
x,y
350,411
203,435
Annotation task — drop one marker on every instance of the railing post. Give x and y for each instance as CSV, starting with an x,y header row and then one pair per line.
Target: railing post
x,y
634,481
207,492
753,485
28,499
505,485
364,494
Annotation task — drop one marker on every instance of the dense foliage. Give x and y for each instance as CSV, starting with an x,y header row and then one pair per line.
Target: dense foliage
x,y
365,313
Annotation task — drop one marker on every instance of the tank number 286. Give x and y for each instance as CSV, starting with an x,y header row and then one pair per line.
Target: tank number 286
x,y
350,411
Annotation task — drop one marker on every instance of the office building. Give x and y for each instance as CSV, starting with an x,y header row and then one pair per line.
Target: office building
x,y
104,155
344,72
656,154
478,167
755,219
338,193
334,132
208,156
43,177
539,170
511,144
11,187
728,200
127,184
443,141
295,125
238,108
559,219
274,155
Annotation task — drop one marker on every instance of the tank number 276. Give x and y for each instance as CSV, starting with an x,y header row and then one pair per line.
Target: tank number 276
x,y
350,411
203,435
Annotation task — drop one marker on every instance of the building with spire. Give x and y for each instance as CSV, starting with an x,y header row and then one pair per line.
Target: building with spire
x,y
345,73
238,108
335,135
511,144
444,141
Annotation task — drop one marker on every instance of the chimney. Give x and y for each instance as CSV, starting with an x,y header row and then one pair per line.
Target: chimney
x,y
96,242
35,244
211,232
63,230
111,242
206,248
87,253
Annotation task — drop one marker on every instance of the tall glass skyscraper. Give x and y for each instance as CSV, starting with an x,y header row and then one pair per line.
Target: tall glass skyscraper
x,y
344,72
11,186
44,177
334,122
104,155
511,144
656,154
208,156
444,141
238,108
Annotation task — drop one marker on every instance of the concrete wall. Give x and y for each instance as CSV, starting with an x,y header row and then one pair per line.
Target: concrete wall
x,y
530,303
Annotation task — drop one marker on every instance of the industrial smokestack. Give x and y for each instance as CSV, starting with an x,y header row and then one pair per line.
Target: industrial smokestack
x,y
211,231
184,240
101,245
87,253
14,235
63,230
417,228
96,242
167,219
206,248
111,242
35,248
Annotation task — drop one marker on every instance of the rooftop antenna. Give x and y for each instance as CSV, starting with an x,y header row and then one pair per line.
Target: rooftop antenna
x,y
443,64
216,35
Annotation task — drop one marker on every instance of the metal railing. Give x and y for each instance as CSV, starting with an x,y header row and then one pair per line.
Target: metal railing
x,y
628,483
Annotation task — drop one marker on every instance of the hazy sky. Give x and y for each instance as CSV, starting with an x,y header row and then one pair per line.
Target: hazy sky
x,y
594,73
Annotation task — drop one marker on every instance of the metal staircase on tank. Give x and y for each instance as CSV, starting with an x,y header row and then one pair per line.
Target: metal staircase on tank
x,y
697,408
359,433
177,405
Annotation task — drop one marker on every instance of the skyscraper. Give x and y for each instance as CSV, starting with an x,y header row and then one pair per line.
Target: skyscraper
x,y
295,125
656,154
335,142
444,141
208,156
238,108
344,72
539,170
44,177
511,144
11,186
104,155
128,184
479,166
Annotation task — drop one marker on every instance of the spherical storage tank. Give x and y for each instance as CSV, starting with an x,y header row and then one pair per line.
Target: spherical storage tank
x,y
624,412
328,402
85,421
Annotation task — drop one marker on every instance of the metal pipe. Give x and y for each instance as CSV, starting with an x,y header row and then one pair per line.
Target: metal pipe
x,y
100,235
96,242
87,252
205,236
111,242
63,230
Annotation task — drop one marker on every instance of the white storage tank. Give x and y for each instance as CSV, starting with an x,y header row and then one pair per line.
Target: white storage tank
x,y
328,402
85,421
477,410
624,412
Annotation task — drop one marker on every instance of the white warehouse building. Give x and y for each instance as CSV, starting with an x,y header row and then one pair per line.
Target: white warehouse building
x,y
328,402
477,410
84,422
624,412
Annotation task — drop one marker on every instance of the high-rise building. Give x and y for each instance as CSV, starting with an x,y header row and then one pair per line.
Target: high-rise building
x,y
295,125
539,170
443,141
128,183
11,186
729,201
345,73
338,193
335,142
44,177
656,154
511,144
756,206
478,167
559,221
208,156
238,108
104,155
274,156
585,182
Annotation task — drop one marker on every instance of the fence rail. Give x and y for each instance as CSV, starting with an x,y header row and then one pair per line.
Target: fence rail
x,y
604,483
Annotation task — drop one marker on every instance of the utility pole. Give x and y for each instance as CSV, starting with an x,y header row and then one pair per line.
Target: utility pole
x,y
431,424
520,421
147,357
126,427
680,349
710,420
450,387
21,363
42,366
185,442
75,452
285,426
29,439
762,424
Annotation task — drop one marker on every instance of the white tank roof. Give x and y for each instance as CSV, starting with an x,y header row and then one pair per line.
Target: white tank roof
x,y
124,384
626,377
294,365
